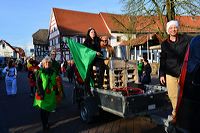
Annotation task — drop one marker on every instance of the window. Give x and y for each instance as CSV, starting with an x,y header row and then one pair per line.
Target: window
x,y
57,41
52,42
3,46
79,39
118,39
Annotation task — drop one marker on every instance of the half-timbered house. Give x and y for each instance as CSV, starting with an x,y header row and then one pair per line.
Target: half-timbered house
x,y
41,44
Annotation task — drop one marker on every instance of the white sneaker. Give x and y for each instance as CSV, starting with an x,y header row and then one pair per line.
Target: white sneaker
x,y
53,111
169,127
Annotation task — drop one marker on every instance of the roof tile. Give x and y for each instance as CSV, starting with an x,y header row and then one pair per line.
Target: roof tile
x,y
77,23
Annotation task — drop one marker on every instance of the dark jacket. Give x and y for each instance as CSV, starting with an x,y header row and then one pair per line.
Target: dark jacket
x,y
146,76
172,55
94,45
56,66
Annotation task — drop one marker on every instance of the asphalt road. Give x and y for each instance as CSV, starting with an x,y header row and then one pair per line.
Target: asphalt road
x,y
17,114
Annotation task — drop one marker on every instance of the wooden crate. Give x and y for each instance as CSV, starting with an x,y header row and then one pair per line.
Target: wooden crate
x,y
122,72
132,71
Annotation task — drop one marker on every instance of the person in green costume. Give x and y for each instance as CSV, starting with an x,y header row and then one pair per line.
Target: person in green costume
x,y
140,67
47,89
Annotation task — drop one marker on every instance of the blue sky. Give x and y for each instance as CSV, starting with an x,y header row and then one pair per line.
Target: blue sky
x,y
21,18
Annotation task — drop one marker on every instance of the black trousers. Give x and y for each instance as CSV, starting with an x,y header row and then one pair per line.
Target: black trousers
x,y
44,118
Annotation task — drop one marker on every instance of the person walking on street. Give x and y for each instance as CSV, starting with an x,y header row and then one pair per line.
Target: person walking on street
x,y
173,51
29,63
47,89
70,71
146,72
63,67
31,76
57,68
11,78
140,66
55,64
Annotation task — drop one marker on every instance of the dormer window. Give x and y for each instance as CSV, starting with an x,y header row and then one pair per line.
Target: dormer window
x,y
54,29
118,38
3,46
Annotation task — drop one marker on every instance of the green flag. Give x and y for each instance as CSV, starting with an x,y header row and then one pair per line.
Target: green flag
x,y
82,56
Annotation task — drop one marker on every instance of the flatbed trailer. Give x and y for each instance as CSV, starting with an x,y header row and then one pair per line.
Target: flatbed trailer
x,y
121,95
153,99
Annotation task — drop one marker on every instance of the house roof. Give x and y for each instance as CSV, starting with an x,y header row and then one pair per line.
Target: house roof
x,y
3,41
40,37
72,22
77,23
139,40
122,23
20,51
189,23
142,39
148,24
114,22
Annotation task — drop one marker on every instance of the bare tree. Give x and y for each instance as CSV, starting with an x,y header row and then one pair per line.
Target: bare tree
x,y
168,8
126,23
161,8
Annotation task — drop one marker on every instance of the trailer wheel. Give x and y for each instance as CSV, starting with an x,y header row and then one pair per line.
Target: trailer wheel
x,y
88,110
